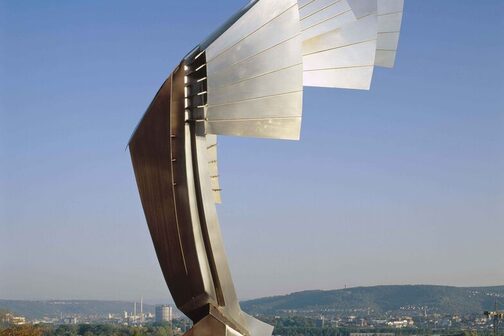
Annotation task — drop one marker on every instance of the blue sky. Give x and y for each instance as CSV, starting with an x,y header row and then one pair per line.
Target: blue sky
x,y
402,184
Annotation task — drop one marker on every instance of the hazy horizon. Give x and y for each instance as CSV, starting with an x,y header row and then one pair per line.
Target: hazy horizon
x,y
400,184
153,301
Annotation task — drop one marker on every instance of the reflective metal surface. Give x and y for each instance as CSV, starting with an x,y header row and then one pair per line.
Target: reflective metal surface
x,y
328,25
362,8
213,169
390,14
339,43
254,74
322,16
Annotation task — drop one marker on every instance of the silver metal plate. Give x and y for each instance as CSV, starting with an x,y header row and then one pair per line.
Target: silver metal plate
x,y
279,82
287,128
254,74
321,10
343,56
213,167
231,309
285,105
229,71
390,6
355,55
362,8
345,78
258,16
350,34
303,3
390,14
328,25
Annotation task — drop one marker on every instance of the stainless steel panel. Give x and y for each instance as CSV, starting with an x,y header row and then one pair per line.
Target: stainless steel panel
x,y
350,46
231,310
214,183
387,41
349,34
277,53
213,166
285,105
251,78
363,8
385,58
195,220
346,78
328,13
390,6
389,26
389,22
359,54
318,6
328,25
231,332
258,16
303,3
274,83
277,128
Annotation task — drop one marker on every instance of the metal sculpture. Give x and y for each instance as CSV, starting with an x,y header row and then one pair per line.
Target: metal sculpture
x,y
246,79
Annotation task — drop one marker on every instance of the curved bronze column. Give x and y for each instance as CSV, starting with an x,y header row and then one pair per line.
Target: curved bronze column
x,y
170,164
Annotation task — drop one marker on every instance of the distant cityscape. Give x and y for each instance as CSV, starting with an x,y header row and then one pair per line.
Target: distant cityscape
x,y
313,313
135,317
363,322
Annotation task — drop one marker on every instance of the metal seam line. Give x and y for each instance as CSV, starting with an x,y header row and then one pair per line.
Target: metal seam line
x,y
173,186
398,12
344,46
259,53
257,76
320,10
389,32
285,11
252,119
306,4
255,98
326,20
340,68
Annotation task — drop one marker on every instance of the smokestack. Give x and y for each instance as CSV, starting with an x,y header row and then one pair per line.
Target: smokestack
x,y
134,309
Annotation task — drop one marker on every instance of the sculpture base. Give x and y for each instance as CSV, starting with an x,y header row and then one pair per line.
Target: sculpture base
x,y
211,326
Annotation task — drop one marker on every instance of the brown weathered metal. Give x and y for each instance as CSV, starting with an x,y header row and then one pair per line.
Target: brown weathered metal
x,y
158,154
169,163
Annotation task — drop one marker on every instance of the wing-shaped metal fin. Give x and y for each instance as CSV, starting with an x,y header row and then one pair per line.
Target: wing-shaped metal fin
x,y
254,74
362,8
213,168
390,14
322,16
339,42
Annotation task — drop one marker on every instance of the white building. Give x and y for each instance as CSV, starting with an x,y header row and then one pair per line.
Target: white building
x,y
164,313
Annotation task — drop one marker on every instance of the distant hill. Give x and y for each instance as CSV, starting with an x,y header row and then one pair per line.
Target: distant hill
x,y
38,309
443,299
